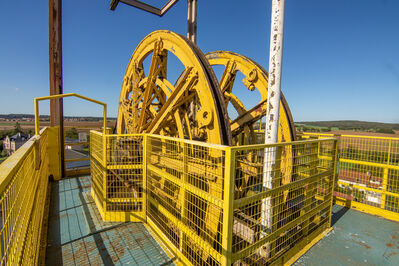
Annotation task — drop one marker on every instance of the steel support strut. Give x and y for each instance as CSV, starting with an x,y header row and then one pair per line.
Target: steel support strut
x,y
273,109
55,67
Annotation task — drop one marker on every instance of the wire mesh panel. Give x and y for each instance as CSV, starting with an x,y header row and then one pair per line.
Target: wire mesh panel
x,y
96,145
117,176
124,176
97,169
283,196
368,171
22,202
368,175
185,194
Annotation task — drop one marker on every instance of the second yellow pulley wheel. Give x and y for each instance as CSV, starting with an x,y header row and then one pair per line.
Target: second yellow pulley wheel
x,y
256,81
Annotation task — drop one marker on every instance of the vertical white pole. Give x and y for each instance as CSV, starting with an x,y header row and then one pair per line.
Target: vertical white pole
x,y
273,107
275,60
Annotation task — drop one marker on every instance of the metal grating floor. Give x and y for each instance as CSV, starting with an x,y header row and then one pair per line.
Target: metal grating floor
x,y
357,239
78,236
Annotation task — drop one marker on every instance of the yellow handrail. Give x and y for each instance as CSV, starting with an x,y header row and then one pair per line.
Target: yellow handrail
x,y
23,188
64,96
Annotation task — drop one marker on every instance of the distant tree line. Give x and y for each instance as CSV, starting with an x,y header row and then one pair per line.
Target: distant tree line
x,y
352,125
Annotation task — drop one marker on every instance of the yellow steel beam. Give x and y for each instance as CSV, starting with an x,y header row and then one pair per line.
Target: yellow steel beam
x,y
385,177
228,205
369,137
334,179
349,136
76,160
263,146
76,143
128,166
368,209
382,165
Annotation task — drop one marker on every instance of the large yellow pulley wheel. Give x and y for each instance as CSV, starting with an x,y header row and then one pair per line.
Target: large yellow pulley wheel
x,y
192,107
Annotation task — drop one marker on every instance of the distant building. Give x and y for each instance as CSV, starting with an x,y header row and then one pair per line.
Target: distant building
x,y
361,179
82,137
73,144
11,144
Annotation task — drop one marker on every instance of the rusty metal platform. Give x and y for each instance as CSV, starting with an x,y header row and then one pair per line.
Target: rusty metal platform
x,y
357,239
78,236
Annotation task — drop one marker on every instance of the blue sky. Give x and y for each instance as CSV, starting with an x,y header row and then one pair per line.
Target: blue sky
x,y
341,57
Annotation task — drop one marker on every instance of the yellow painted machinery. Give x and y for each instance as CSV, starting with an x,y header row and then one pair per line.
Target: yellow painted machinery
x,y
195,106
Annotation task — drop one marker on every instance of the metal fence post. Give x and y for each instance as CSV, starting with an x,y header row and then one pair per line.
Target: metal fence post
x,y
337,163
334,178
183,195
144,173
385,177
37,153
104,165
228,199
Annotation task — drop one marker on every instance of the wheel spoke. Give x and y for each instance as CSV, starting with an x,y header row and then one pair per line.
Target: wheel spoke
x,y
249,117
154,70
229,75
184,84
238,105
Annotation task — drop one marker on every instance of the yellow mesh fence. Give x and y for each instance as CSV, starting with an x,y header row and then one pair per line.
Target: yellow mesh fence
x,y
117,176
280,207
24,183
211,204
185,194
368,173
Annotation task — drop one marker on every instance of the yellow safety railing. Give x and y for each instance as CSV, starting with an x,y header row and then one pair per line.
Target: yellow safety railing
x,y
300,199
79,156
368,173
59,96
23,193
207,202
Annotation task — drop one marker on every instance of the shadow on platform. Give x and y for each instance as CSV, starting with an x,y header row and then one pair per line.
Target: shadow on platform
x,y
78,236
